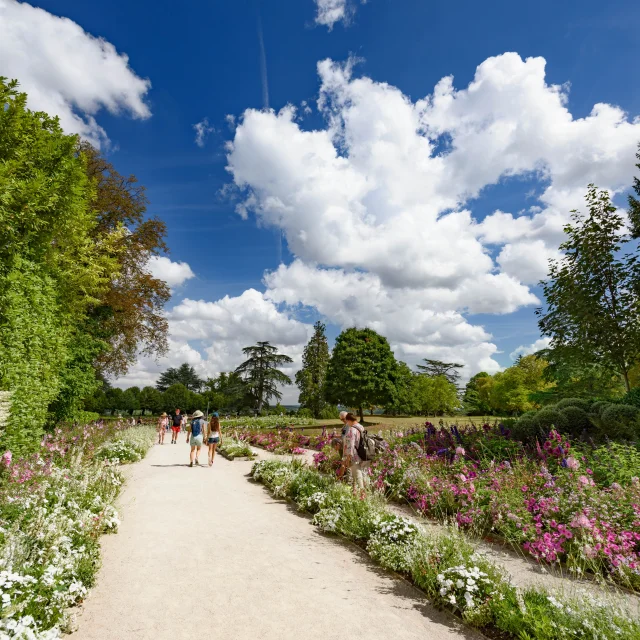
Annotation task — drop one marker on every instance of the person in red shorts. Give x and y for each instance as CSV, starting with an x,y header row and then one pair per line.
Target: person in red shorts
x,y
175,428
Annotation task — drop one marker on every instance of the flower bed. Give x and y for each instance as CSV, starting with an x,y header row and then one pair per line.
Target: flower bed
x,y
445,567
283,442
54,506
557,501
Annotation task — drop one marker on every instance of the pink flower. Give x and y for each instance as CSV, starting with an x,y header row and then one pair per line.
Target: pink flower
x,y
7,457
459,451
583,480
581,522
572,463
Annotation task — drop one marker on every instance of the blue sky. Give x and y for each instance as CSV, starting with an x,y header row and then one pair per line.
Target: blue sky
x,y
203,60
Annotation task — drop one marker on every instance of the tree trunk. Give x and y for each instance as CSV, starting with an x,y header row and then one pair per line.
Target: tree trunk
x,y
361,415
625,374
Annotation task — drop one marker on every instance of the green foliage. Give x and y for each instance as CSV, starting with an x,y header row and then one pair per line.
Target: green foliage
x,y
362,370
550,417
473,403
526,428
311,378
620,421
151,399
438,368
52,268
573,402
634,203
598,407
261,374
593,309
613,462
184,375
633,397
577,420
435,396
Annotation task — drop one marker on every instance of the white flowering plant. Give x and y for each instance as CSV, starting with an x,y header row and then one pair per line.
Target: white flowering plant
x,y
470,590
54,506
392,542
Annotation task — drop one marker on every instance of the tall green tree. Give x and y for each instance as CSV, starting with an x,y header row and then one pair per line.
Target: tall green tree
x,y
128,316
362,370
405,396
151,400
53,267
312,377
185,375
634,203
177,396
592,293
436,368
260,372
436,395
473,403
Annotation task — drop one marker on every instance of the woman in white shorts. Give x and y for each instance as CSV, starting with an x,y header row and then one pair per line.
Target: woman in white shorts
x,y
195,436
214,437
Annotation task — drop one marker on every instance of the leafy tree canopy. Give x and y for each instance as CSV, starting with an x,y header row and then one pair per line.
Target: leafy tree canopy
x,y
260,372
185,375
593,308
311,378
435,368
362,370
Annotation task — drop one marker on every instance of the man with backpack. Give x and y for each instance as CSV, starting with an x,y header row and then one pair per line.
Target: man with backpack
x,y
357,450
195,436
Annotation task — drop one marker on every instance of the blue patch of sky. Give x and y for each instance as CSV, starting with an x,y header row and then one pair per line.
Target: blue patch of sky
x,y
203,59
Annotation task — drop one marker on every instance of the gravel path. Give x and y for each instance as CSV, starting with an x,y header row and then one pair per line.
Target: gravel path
x,y
205,551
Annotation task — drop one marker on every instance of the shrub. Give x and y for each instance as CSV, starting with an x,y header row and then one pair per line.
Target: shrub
x,y
119,452
577,420
305,413
598,407
581,403
236,449
614,462
525,429
633,397
620,421
550,417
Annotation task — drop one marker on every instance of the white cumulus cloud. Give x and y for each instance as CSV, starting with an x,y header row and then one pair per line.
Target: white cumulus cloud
x,y
224,327
66,71
527,350
377,206
173,273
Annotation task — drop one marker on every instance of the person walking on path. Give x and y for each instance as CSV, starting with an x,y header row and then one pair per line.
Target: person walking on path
x,y
175,429
214,436
183,424
350,458
195,434
163,421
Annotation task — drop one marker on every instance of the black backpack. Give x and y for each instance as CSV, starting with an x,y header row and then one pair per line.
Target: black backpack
x,y
367,446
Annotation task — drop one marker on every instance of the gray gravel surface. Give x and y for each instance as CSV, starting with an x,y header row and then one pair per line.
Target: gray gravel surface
x,y
204,552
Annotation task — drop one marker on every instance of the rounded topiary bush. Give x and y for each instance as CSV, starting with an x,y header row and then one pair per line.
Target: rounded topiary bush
x,y
581,403
598,407
549,418
525,429
620,421
577,420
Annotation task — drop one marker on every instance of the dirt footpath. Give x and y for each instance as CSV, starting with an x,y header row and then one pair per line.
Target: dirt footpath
x,y
204,552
